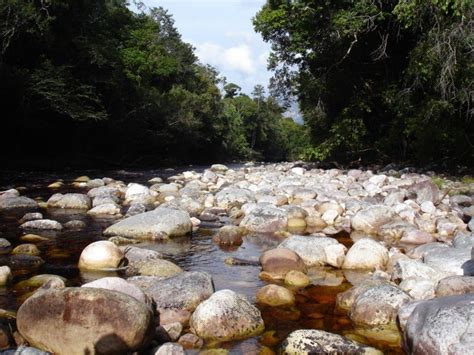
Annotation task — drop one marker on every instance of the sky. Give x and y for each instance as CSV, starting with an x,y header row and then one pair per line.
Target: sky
x,y
222,33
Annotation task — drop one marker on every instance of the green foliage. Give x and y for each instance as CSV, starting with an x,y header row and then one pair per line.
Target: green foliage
x,y
386,80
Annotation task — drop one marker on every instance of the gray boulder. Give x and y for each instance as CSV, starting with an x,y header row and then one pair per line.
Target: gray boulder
x,y
11,202
46,224
441,326
370,219
161,223
265,219
70,201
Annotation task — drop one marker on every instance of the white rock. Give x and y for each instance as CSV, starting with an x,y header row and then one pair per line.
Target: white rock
x,y
366,254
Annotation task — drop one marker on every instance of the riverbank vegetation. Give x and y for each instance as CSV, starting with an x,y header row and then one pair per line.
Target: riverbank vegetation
x,y
92,82
390,80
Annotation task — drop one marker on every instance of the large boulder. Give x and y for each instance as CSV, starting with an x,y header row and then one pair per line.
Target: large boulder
x,y
161,223
312,341
366,254
265,219
441,326
226,316
183,291
85,321
378,305
316,251
370,219
70,201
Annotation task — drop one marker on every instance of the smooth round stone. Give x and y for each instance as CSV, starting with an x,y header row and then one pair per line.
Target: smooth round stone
x,y
120,285
5,275
29,249
191,341
279,261
273,295
45,224
159,267
101,255
366,254
226,316
39,280
75,225
229,235
297,279
33,238
5,246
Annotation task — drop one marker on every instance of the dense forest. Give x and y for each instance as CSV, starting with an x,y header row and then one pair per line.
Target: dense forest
x,y
387,80
90,82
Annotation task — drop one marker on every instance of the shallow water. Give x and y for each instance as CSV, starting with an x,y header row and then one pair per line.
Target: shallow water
x,y
315,304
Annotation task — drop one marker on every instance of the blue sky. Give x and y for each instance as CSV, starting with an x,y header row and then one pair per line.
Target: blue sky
x,y
223,35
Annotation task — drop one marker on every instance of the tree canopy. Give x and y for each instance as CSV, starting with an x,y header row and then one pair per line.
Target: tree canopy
x,y
90,79
377,80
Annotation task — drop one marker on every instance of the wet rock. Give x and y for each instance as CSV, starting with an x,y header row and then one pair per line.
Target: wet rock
x,y
346,299
32,238
110,209
378,305
139,256
229,235
226,316
265,219
369,220
5,275
46,224
366,254
5,246
120,285
29,249
191,341
101,255
70,201
455,285
441,326
275,296
11,202
84,320
75,225
278,262
170,349
23,262
161,223
40,280
297,279
25,350
183,291
312,341
316,251
158,267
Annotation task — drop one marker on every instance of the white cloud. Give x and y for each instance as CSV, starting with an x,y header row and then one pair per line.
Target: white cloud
x,y
238,58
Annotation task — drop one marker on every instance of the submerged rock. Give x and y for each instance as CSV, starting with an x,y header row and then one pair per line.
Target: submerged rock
x,y
274,295
70,201
161,223
226,316
85,320
312,341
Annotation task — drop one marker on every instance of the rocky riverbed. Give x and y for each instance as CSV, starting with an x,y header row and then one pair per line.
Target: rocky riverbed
x,y
274,258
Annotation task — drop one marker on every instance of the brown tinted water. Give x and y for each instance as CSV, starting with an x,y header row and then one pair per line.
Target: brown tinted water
x,y
314,309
